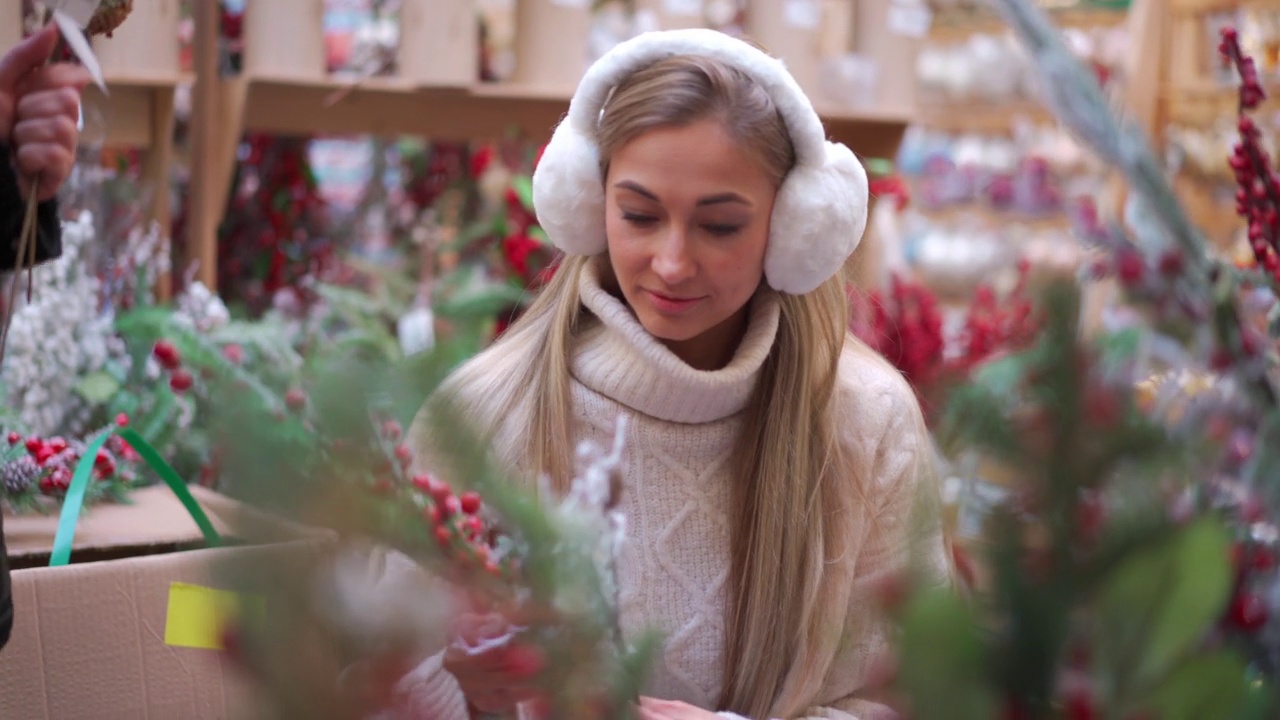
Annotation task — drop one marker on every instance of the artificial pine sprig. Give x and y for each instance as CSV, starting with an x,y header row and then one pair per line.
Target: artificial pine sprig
x,y
341,461
1209,288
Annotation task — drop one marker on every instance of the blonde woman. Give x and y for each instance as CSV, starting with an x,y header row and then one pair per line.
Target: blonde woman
x,y
773,462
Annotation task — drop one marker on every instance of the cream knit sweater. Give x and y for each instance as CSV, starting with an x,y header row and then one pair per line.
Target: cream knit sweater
x,y
681,427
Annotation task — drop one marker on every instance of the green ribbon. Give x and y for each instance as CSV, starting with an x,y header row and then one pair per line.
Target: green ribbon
x,y
74,501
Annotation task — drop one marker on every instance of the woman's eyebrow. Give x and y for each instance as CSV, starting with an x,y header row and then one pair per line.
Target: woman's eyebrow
x,y
727,197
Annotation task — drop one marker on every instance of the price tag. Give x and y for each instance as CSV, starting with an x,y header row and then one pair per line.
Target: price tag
x,y
802,14
81,11
79,44
686,8
910,18
197,616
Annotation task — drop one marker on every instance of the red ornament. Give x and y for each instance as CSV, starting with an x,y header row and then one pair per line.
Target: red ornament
x,y
450,507
1130,267
122,420
1091,514
167,355
14,438
181,381
1248,612
1172,264
443,534
391,430
480,161
295,399
404,455
233,353
470,503
1080,704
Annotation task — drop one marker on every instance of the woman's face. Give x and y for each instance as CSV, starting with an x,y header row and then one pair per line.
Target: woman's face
x,y
687,218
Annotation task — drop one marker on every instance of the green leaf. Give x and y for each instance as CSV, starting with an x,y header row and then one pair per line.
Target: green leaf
x,y
97,388
523,185
944,660
1205,687
484,301
1120,347
1161,601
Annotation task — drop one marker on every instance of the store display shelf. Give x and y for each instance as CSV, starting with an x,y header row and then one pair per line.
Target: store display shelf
x,y
972,116
334,106
958,24
137,109
1205,102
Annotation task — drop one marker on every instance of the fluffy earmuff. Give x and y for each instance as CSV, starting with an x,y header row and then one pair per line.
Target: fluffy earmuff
x,y
821,209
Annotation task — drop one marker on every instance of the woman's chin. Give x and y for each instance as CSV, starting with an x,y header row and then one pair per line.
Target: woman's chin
x,y
669,330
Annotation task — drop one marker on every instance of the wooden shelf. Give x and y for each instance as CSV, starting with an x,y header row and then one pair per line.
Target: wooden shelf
x,y
957,25
283,93
389,106
993,118
137,111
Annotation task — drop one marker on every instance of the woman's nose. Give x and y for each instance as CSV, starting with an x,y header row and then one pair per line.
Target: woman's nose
x,y
673,261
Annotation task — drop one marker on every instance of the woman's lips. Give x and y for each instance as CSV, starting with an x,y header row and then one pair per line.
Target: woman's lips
x,y
669,304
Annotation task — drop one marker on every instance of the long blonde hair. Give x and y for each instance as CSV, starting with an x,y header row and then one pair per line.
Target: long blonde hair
x,y
794,482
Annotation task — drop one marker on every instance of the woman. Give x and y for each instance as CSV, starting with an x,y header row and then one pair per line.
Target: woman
x,y
773,463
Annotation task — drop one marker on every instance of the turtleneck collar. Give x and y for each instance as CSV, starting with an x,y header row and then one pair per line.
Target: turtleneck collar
x,y
619,359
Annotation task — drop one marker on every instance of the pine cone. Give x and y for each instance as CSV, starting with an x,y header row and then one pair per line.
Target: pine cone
x,y
108,16
19,475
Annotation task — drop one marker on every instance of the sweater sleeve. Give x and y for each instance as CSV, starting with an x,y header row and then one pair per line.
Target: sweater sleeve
x,y
905,533
12,209
429,691
389,599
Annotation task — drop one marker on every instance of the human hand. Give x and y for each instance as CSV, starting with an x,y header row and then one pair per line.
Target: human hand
x,y
494,670
39,112
652,709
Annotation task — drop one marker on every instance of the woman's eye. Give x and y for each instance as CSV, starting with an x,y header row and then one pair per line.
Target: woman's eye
x,y
722,230
639,219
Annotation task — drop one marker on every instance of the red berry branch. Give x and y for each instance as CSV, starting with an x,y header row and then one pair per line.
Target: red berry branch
x,y
37,469
1258,192
906,327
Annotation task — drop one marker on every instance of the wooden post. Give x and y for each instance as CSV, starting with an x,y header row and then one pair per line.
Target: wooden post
x,y
551,43
284,39
439,42
205,211
146,45
788,29
894,53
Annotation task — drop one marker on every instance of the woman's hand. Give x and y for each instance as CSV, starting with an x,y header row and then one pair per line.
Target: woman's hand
x,y
495,674
39,112
651,709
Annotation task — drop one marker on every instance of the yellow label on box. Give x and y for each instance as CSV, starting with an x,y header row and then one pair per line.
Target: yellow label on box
x,y
198,615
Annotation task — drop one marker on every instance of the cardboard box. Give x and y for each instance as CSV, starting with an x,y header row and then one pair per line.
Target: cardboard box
x,y
129,629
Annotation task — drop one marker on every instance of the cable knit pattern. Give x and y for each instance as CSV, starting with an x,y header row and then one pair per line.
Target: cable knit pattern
x,y
682,424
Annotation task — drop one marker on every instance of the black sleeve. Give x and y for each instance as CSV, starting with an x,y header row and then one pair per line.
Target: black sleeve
x,y
12,208
6,595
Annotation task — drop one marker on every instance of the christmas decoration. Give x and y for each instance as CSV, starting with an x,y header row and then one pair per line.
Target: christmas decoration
x,y
275,232
1131,570
108,16
36,471
905,324
539,569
